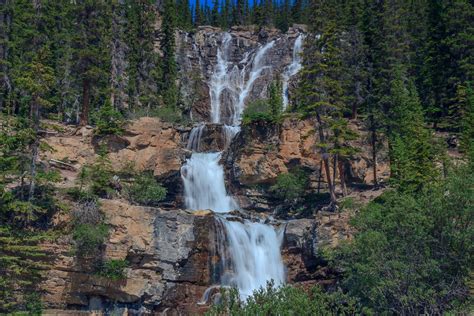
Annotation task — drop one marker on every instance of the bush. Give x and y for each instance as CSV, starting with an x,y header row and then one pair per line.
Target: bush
x,y
258,111
413,254
266,110
89,237
108,121
100,176
146,191
290,186
113,269
286,300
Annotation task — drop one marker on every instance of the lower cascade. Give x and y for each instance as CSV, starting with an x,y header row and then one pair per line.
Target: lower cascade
x,y
252,249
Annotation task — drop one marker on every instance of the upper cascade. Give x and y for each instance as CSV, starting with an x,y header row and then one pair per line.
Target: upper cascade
x,y
231,69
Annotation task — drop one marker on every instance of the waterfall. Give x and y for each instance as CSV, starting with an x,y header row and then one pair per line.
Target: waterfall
x,y
292,69
232,83
255,256
252,249
204,187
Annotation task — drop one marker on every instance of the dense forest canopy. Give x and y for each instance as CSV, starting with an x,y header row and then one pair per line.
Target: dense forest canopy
x,y
403,68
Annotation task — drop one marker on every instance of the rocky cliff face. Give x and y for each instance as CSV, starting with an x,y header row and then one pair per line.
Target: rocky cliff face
x,y
261,152
172,256
172,253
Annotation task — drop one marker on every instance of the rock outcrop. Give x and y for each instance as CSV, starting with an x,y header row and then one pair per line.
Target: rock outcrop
x,y
261,152
168,255
171,257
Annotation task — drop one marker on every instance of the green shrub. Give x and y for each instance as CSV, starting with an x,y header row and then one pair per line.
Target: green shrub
x,y
265,110
258,111
89,237
412,254
290,186
108,120
100,176
113,269
146,191
286,300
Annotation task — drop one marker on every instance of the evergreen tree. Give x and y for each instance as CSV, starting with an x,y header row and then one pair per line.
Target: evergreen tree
x,y
412,155
467,122
144,72
169,67
321,93
91,54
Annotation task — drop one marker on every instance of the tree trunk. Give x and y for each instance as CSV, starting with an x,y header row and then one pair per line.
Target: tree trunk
x,y
320,176
34,149
374,155
325,157
334,171
84,119
342,176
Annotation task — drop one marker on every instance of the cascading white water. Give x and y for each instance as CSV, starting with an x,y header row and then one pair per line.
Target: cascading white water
x,y
233,82
255,256
204,187
253,248
292,69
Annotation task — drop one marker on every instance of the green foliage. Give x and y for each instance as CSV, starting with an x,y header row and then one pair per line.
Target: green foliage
x,y
108,121
412,155
100,177
169,67
22,221
286,300
145,190
113,269
413,254
290,186
168,114
34,306
89,237
275,99
467,123
257,111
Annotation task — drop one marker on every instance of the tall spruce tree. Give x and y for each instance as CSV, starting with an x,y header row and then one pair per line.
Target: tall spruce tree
x,y
90,51
412,156
169,67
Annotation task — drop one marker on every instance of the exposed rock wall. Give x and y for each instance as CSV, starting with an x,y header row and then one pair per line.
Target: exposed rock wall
x,y
261,152
172,261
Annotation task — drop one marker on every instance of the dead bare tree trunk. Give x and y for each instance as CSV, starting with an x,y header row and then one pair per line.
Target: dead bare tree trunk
x,y
84,119
325,157
374,155
342,176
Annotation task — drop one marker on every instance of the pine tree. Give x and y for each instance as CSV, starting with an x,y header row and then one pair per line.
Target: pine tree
x,y
320,92
198,15
412,157
91,54
467,122
144,72
169,67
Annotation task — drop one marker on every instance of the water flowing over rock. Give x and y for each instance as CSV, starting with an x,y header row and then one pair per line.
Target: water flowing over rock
x,y
204,187
253,255
292,69
221,72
